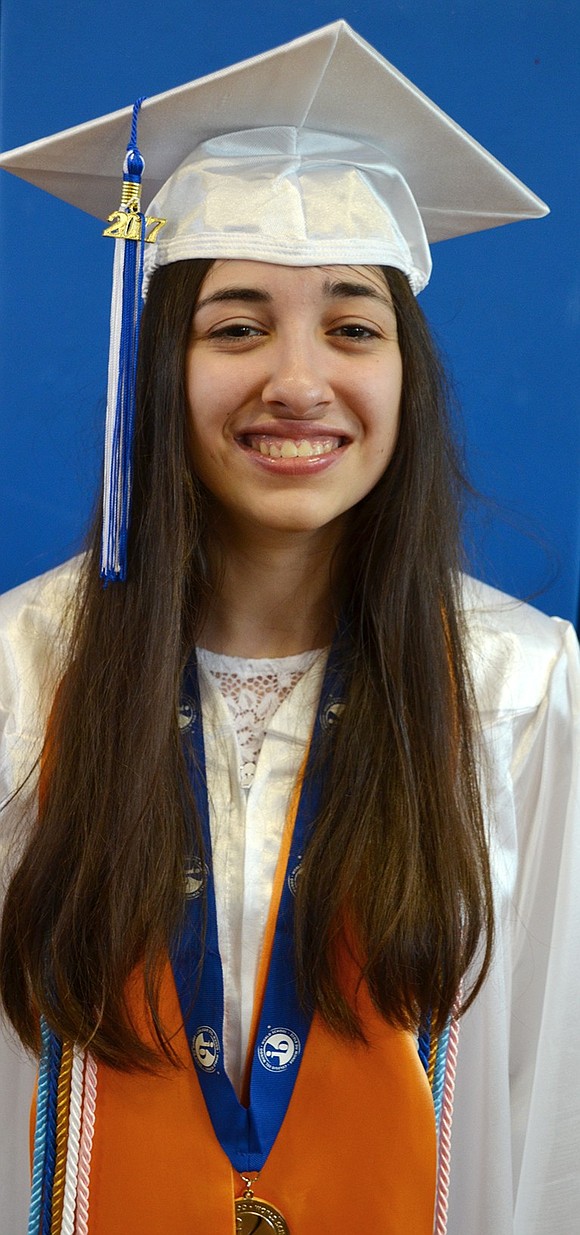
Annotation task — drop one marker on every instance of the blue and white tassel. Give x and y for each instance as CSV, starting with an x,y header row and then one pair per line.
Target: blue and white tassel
x,y
130,230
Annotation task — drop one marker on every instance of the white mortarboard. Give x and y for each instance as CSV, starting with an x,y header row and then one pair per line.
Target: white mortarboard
x,y
267,109
316,152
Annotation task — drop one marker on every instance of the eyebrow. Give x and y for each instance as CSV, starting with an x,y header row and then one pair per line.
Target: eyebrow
x,y
339,289
251,295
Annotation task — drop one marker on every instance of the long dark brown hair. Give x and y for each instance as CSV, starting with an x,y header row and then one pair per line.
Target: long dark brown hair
x,y
399,848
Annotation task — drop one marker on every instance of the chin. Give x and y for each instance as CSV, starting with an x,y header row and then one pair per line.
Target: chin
x,y
301,520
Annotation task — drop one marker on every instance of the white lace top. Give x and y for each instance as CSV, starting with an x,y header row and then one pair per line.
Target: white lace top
x,y
253,690
257,717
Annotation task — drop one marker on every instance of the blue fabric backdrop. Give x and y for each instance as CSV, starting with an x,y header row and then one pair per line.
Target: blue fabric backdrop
x,y
505,305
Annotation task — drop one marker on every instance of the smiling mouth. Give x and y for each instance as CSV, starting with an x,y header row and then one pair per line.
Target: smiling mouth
x,y
292,448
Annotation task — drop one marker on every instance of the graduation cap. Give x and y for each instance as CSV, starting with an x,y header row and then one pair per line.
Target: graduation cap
x,y
316,152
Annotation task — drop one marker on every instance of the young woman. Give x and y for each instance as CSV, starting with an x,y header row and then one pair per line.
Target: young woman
x,y
299,777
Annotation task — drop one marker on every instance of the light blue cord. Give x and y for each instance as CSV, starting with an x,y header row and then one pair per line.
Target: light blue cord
x,y
35,1211
439,1073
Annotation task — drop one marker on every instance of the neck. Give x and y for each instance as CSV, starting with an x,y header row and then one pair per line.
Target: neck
x,y
273,593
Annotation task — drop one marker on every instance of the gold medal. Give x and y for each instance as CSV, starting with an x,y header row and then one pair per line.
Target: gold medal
x,y
257,1217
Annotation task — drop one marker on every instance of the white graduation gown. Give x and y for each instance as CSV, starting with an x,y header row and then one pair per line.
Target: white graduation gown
x,y
516,1128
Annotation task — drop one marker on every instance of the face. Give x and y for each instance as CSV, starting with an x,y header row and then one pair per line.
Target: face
x,y
293,380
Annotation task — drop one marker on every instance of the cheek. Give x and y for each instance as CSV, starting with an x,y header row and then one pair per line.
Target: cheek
x,y
387,414
212,392
197,391
203,412
201,448
197,443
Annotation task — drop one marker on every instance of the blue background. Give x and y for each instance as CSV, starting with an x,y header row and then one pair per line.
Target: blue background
x,y
505,304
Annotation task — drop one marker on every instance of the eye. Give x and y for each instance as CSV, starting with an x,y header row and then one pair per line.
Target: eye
x,y
355,331
236,330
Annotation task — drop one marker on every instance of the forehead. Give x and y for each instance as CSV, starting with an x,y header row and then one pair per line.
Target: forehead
x,y
309,280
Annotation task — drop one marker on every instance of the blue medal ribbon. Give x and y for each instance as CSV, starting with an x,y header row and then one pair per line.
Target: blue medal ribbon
x,y
246,1134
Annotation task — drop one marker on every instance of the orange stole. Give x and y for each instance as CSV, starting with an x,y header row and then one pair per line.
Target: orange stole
x,y
356,1150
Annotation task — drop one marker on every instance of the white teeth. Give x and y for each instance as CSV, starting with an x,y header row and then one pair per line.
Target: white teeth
x,y
288,448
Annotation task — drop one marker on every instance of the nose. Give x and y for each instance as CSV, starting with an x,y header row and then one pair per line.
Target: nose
x,y
297,383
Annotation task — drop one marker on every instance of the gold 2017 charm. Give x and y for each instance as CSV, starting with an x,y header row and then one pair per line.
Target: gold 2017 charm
x,y
126,225
256,1217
